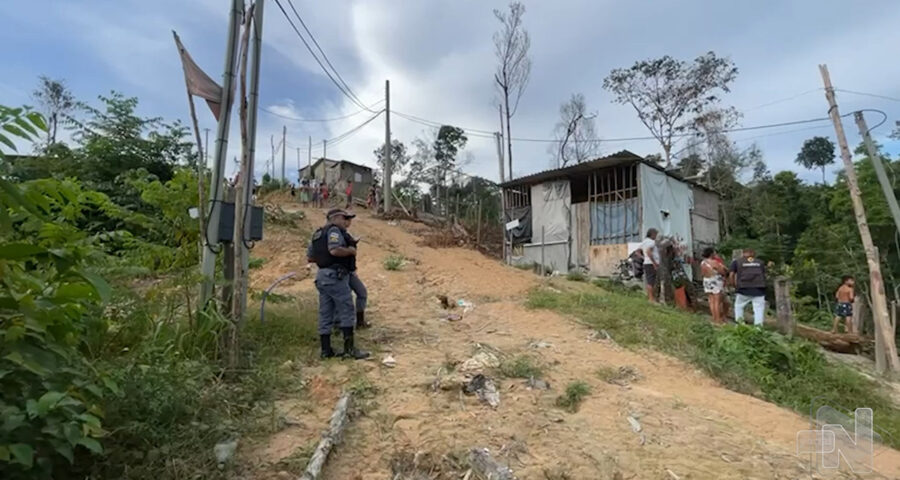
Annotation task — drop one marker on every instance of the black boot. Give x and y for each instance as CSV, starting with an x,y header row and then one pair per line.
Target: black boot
x,y
327,352
361,320
350,351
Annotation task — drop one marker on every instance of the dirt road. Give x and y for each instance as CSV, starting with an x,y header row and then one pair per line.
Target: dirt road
x,y
691,428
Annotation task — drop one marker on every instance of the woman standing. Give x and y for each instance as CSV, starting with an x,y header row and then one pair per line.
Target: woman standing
x,y
713,273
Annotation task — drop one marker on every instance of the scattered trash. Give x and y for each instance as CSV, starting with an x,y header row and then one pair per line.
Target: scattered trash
x,y
452,317
625,375
672,474
540,344
393,223
389,361
466,306
479,362
485,389
635,425
486,467
224,452
537,384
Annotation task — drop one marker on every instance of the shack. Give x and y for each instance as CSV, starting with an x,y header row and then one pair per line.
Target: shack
x,y
592,215
336,173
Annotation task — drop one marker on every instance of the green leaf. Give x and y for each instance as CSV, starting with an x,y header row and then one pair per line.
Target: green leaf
x,y
16,251
103,289
4,453
22,454
37,119
48,401
8,142
25,125
5,221
91,444
31,407
65,451
16,131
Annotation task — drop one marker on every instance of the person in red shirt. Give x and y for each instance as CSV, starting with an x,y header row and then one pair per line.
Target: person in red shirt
x,y
323,197
349,193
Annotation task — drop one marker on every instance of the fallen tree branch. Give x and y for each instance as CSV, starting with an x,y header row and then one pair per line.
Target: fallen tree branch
x,y
332,437
486,467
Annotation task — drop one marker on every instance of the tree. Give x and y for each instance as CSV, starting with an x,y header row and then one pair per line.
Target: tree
x,y
449,141
691,165
57,102
511,45
399,156
668,94
817,152
575,133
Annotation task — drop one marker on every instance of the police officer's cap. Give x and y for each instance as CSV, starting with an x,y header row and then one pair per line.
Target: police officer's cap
x,y
339,211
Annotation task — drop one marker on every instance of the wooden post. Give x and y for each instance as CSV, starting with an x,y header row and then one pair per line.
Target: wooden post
x,y
884,335
542,250
783,306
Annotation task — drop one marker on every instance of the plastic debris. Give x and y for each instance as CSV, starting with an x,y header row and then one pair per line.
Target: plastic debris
x,y
540,344
389,361
537,384
224,452
479,362
466,306
485,389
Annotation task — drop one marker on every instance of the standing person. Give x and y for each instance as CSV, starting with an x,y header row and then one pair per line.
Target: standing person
x,y
357,286
293,190
714,284
844,308
370,198
651,262
748,275
323,195
314,188
349,193
335,257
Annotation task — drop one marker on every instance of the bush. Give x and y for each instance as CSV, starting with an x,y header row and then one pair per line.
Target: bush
x,y
393,262
574,395
522,366
576,276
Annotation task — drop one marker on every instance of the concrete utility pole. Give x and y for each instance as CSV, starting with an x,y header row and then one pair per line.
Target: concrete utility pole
x,y
272,158
298,164
283,150
309,159
884,334
879,168
208,262
387,147
324,148
206,149
499,137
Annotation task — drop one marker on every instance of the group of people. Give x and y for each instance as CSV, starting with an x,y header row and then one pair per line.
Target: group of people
x,y
746,274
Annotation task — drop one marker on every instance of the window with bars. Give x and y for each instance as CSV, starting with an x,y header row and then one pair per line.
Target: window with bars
x,y
615,206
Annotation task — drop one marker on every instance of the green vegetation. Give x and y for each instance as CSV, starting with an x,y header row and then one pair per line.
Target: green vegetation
x,y
521,366
576,276
108,366
789,372
573,396
394,262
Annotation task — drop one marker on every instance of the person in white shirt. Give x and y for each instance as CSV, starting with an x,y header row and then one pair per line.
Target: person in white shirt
x,y
651,262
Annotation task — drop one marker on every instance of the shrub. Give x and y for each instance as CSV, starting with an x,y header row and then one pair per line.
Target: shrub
x,y
522,366
573,396
393,262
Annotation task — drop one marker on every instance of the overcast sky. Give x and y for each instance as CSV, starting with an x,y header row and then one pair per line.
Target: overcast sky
x,y
439,58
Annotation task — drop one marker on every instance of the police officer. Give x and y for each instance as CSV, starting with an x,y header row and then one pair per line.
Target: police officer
x,y
335,257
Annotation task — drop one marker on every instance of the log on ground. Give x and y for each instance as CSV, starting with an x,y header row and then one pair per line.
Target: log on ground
x,y
339,420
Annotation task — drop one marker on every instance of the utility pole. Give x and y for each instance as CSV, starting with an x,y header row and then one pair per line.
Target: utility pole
x,y
324,148
387,147
272,159
283,150
206,149
879,168
499,137
883,331
298,164
208,262
309,159
500,108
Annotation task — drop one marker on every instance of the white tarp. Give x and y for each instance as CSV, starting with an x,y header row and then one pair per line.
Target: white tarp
x,y
661,193
550,208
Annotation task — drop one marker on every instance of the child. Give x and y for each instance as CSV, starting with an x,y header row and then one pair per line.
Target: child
x,y
844,308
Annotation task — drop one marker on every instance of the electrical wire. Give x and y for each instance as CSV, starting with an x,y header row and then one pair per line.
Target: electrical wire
x,y
333,119
884,119
336,140
873,95
316,43
337,84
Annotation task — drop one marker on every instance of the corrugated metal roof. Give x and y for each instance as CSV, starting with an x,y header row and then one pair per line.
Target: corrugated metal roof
x,y
618,158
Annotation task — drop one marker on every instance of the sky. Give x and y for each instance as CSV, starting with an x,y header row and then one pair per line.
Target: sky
x,y
439,58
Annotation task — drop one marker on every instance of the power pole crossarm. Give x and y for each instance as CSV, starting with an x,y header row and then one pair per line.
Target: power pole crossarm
x,y
884,333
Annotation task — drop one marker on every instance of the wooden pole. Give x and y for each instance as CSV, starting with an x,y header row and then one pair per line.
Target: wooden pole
x,y
884,334
886,186
283,151
388,167
783,306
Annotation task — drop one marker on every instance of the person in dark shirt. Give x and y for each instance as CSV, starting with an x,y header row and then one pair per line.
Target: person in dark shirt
x,y
748,275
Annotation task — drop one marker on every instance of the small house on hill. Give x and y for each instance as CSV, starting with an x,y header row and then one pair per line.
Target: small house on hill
x,y
336,173
594,214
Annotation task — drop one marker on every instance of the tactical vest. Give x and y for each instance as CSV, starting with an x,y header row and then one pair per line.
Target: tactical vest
x,y
324,258
750,273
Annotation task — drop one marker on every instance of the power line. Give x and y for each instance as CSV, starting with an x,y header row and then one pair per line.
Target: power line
x,y
299,119
776,102
316,43
873,95
349,95
343,136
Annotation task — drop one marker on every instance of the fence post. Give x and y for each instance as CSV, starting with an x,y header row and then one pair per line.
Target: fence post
x,y
542,250
783,306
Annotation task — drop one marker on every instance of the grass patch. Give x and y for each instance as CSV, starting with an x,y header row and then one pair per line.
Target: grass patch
x,y
607,373
576,276
255,263
575,393
394,262
521,366
789,372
